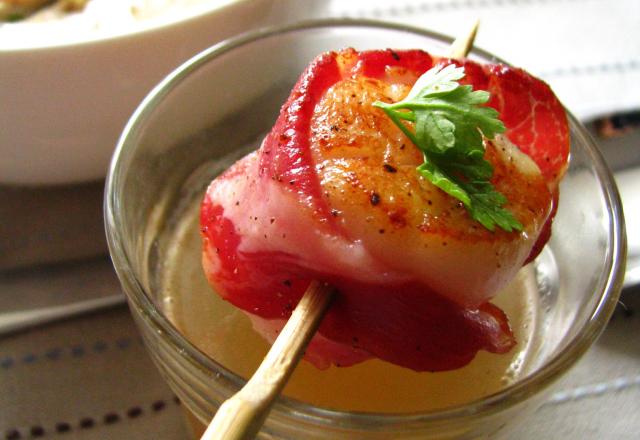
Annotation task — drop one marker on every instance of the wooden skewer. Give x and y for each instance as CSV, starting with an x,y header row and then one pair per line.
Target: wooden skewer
x,y
241,416
463,44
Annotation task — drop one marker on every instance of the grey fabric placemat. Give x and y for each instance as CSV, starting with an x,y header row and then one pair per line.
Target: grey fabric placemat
x,y
40,225
91,378
87,378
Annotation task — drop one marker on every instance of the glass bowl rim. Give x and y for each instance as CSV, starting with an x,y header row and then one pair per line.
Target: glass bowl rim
x,y
609,289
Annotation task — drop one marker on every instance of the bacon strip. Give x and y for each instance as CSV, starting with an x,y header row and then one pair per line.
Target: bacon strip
x,y
298,210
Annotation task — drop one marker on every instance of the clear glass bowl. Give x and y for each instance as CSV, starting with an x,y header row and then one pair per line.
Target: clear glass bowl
x,y
206,113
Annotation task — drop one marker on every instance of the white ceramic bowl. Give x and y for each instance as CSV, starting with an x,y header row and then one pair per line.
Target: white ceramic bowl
x,y
66,96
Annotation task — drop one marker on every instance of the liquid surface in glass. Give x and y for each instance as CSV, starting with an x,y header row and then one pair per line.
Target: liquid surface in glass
x,y
226,335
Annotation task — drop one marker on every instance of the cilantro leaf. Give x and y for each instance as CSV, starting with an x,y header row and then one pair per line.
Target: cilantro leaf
x,y
449,121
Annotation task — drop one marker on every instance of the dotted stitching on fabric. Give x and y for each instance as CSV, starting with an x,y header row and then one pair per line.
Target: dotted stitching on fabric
x,y
593,390
595,69
409,9
75,351
85,423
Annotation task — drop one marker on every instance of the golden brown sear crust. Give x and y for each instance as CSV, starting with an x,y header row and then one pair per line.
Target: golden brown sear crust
x,y
367,167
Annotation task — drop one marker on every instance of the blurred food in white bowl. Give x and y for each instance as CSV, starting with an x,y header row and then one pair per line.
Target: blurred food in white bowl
x,y
16,10
69,80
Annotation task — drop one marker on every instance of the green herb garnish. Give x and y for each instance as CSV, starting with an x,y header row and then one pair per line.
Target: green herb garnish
x,y
16,16
449,122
